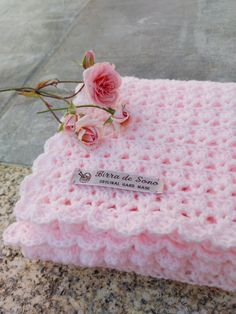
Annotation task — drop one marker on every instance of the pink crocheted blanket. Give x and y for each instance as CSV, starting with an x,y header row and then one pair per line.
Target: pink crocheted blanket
x,y
183,132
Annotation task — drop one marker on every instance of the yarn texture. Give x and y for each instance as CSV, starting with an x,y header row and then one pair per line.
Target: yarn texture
x,y
184,133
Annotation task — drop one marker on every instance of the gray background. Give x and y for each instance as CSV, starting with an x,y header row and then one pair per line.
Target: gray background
x,y
176,39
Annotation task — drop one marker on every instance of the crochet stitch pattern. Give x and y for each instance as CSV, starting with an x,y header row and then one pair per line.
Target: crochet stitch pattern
x,y
183,132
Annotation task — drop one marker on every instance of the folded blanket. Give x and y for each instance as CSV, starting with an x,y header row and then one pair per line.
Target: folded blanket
x,y
182,132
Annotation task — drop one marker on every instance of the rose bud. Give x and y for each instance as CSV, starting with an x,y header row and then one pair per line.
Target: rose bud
x,y
121,117
87,131
69,122
89,59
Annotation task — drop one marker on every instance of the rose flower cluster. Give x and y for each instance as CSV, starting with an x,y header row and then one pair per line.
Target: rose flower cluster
x,y
101,84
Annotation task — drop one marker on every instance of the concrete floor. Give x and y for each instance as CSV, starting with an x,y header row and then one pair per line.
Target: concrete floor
x,y
176,39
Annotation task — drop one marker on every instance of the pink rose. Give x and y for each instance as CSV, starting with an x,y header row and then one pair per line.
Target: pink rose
x,y
69,122
87,131
102,83
89,59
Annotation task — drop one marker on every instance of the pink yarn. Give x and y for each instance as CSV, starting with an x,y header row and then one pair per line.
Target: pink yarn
x,y
184,132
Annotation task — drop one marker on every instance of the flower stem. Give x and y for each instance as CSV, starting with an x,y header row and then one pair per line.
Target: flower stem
x,y
44,93
49,95
17,89
109,110
50,109
40,93
70,81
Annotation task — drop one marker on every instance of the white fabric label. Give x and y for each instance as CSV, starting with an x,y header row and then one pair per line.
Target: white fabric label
x,y
119,180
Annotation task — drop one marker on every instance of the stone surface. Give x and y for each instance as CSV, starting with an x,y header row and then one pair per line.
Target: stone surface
x,y
152,39
44,287
31,33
